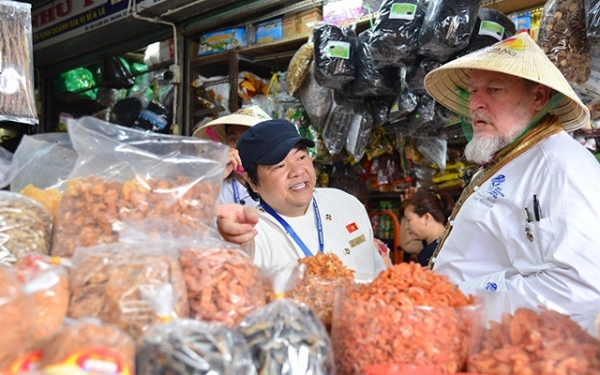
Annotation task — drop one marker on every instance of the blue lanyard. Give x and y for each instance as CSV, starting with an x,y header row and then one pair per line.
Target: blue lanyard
x,y
289,229
236,192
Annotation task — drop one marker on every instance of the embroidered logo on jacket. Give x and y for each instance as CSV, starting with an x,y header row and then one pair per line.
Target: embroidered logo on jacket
x,y
496,190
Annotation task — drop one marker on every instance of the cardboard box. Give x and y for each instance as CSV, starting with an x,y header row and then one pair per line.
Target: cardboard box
x,y
166,50
223,40
269,31
289,26
307,20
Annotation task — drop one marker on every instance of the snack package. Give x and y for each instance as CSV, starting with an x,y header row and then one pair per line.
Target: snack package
x,y
563,38
369,80
17,98
17,323
186,346
316,99
491,27
89,345
286,337
117,284
447,27
394,41
223,283
26,227
299,67
335,131
408,314
124,175
335,55
298,116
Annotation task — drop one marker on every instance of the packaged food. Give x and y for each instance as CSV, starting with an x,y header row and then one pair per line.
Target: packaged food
x,y
408,314
299,67
369,80
563,38
89,345
316,99
125,176
335,55
186,346
592,21
223,283
491,27
117,283
26,227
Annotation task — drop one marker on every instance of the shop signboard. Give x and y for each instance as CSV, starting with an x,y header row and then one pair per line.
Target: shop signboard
x,y
65,19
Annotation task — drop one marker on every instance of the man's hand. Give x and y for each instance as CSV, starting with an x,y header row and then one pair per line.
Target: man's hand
x,y
236,222
233,162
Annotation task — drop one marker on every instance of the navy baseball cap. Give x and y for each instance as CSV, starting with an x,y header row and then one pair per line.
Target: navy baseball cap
x,y
269,142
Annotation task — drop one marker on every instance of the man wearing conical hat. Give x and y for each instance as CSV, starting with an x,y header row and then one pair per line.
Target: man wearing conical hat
x,y
528,222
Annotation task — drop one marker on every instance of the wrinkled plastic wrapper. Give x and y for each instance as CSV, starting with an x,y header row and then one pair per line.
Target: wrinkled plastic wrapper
x,y
491,27
26,227
8,168
337,126
299,67
115,74
563,38
592,21
335,55
17,321
286,337
191,347
223,283
415,76
84,338
116,283
434,149
447,27
17,97
316,99
516,337
359,131
155,118
424,113
403,105
124,175
395,37
369,80
298,116
380,110
46,282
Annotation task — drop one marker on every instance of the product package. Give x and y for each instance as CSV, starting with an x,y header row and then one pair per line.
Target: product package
x,y
335,55
369,80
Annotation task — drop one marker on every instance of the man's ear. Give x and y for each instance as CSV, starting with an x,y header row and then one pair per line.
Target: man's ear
x,y
541,96
249,182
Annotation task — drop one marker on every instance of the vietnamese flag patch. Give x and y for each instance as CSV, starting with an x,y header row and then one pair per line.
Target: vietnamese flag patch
x,y
352,227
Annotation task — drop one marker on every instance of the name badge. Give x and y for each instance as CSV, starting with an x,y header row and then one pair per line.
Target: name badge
x,y
358,240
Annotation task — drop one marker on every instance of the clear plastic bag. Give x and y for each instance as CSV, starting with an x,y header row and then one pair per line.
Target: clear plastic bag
x,y
316,99
592,21
359,131
563,38
124,175
191,347
7,167
423,114
380,110
447,27
17,98
299,67
335,55
403,105
337,126
26,227
394,41
286,337
370,81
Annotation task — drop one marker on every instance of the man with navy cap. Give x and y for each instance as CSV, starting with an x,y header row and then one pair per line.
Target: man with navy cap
x,y
295,219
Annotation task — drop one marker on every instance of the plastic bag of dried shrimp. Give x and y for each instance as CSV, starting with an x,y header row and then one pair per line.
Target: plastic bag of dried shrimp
x,y
125,175
87,346
408,314
518,336
286,337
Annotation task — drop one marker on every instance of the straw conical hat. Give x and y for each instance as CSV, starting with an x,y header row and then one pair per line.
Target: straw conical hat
x,y
518,56
245,117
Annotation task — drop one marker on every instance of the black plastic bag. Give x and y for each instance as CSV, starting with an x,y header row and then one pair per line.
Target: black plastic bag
x,y
394,41
337,126
406,102
127,110
370,81
154,118
315,98
115,75
380,109
447,27
491,27
415,77
592,21
335,55
424,113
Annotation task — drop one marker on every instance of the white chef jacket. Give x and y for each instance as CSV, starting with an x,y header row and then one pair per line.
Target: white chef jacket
x,y
226,194
488,247
347,233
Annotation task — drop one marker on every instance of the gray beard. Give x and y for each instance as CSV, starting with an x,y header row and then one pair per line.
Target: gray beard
x,y
480,150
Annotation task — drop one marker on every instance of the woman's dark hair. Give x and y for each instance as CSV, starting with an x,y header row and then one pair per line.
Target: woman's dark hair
x,y
438,205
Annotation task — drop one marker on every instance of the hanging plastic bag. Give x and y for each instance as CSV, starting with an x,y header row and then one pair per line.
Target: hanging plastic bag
x,y
298,116
403,105
447,27
359,131
415,75
79,80
154,118
285,337
434,149
491,27
299,67
115,74
380,110
563,38
124,175
424,113
8,168
370,81
335,55
394,41
316,99
592,21
337,126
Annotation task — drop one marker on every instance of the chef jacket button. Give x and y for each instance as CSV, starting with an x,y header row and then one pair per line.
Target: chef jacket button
x,y
451,222
433,259
346,251
475,188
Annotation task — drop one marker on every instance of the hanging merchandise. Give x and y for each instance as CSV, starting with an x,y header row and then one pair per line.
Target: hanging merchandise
x,y
298,116
404,104
424,114
592,21
370,81
433,149
447,27
394,41
126,111
563,38
77,80
359,131
337,126
335,55
316,99
154,118
491,27
17,99
380,110
115,74
299,67
415,76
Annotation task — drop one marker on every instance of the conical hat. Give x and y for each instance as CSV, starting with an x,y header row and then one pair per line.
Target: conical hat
x,y
518,56
245,117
